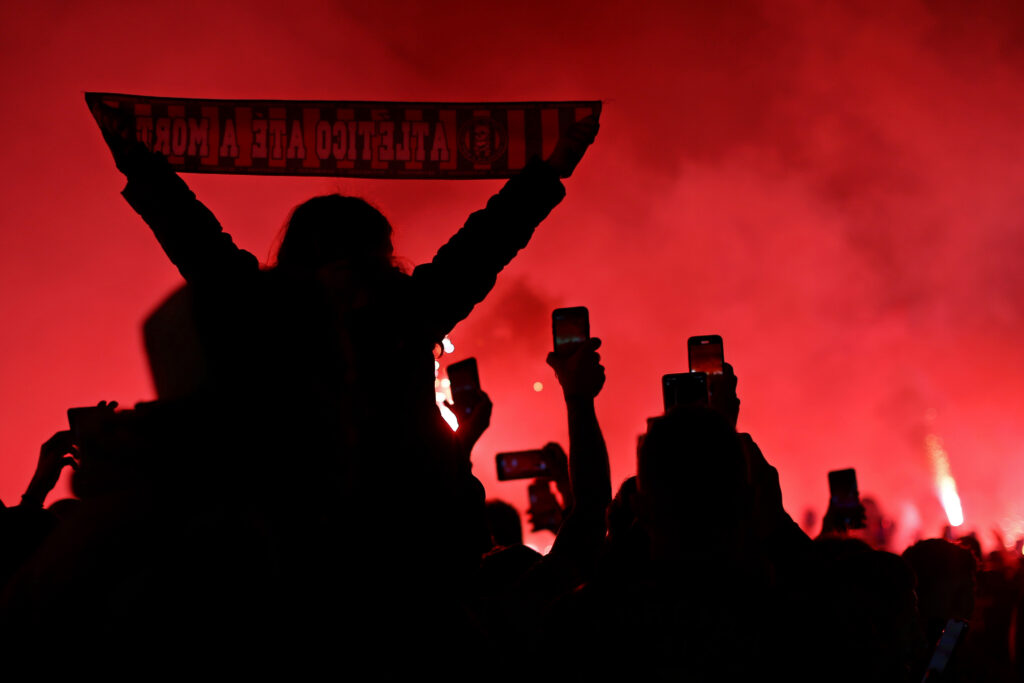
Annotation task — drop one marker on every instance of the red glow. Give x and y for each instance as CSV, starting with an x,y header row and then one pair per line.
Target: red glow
x,y
834,190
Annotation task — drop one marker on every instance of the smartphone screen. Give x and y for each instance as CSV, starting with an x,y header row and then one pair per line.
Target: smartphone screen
x,y
465,385
570,328
684,388
522,465
706,354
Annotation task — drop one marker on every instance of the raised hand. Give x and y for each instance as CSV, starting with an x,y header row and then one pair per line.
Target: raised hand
x,y
580,373
544,511
559,473
722,396
572,145
473,425
118,130
839,521
55,454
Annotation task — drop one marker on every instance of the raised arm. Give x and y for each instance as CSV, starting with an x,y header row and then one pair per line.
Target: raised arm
x,y
188,232
582,533
466,267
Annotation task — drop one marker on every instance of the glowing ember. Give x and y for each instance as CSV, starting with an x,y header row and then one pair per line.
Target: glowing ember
x,y
944,482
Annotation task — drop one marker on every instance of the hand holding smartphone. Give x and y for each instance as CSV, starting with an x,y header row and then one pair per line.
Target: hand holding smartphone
x,y
89,425
544,511
845,498
465,386
684,388
524,465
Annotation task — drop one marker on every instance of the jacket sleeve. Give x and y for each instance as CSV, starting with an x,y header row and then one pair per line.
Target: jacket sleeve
x,y
188,232
465,269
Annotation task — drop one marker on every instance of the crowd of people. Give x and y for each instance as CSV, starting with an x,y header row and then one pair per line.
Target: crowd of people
x,y
302,506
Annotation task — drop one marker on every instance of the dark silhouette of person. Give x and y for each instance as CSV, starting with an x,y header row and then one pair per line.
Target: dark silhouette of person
x,y
334,327
23,527
320,376
504,523
947,589
516,585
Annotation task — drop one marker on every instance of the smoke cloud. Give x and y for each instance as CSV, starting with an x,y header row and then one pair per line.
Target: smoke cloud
x,y
835,189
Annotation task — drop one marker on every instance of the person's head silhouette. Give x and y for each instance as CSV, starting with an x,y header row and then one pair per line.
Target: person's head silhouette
x,y
334,228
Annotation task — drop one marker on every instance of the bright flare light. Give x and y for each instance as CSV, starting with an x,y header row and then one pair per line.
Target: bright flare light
x,y
448,415
944,482
442,390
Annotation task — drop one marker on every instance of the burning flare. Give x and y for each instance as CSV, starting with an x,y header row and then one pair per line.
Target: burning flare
x,y
944,482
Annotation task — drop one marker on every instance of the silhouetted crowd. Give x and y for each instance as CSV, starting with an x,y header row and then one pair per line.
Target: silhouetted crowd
x,y
294,505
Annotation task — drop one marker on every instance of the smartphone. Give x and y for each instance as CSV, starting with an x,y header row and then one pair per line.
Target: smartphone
x,y
465,385
952,634
523,465
706,354
683,388
544,511
842,486
87,424
570,328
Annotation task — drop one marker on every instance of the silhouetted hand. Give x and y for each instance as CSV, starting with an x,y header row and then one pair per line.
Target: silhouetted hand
x,y
544,511
722,396
572,145
838,520
475,423
57,453
559,472
580,373
129,154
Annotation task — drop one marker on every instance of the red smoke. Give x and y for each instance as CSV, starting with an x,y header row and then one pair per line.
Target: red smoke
x,y
834,190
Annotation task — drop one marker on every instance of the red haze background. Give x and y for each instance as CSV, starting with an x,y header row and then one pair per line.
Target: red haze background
x,y
835,189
